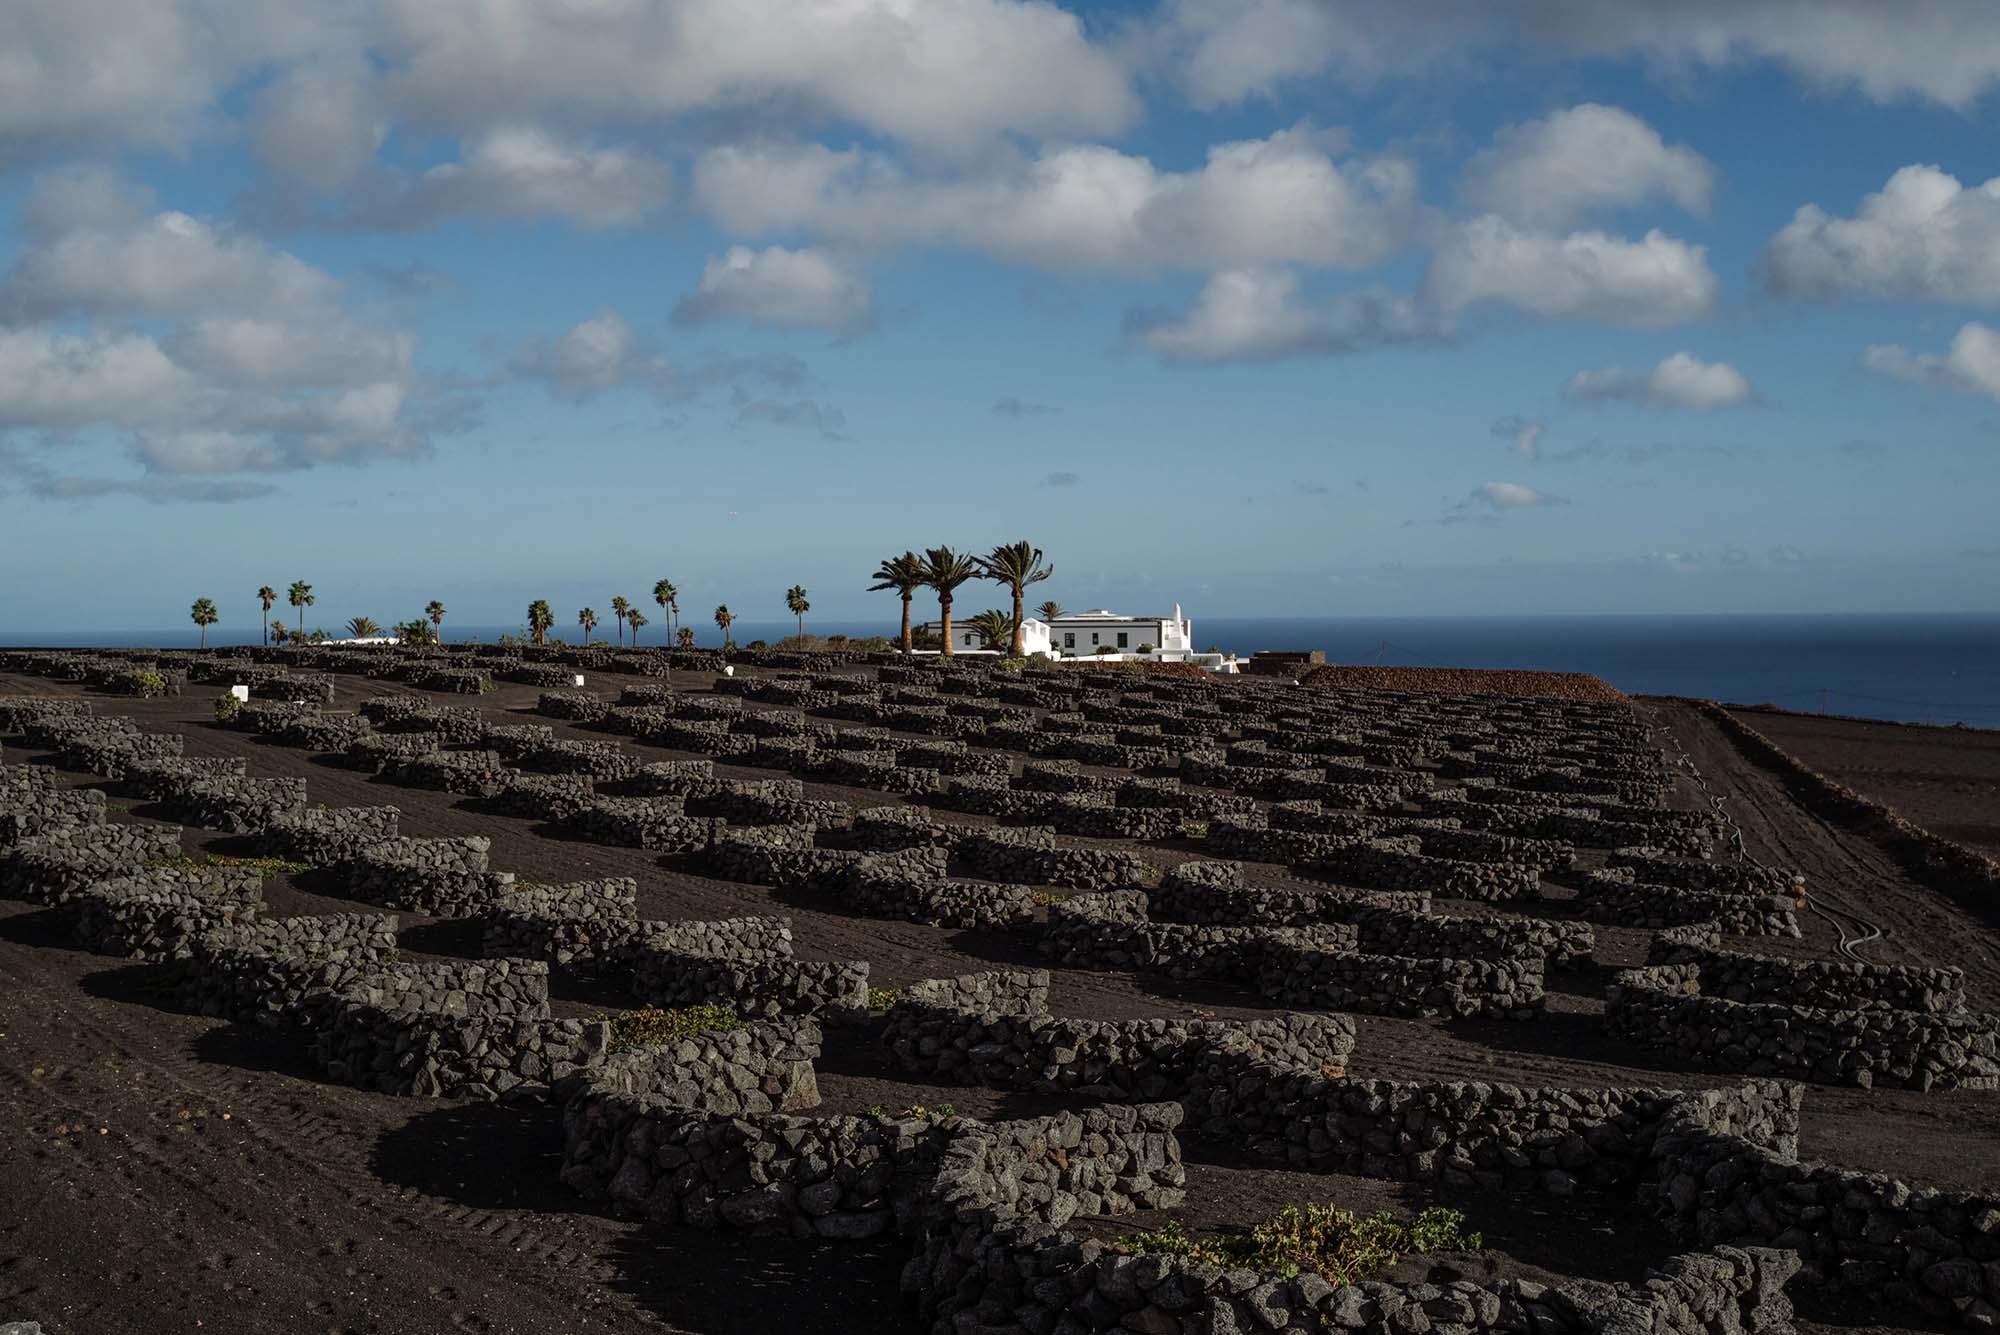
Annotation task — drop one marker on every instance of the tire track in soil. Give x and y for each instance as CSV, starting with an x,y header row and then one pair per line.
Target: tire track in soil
x,y
1842,870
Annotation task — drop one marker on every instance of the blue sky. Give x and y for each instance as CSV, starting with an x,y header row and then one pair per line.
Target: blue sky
x,y
1268,306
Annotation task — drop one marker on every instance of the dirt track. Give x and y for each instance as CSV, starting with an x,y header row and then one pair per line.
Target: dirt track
x,y
1944,779
140,1207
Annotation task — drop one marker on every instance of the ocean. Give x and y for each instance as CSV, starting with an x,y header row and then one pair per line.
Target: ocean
x,y
1915,668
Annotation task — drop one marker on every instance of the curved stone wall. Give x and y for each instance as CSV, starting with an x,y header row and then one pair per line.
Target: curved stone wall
x,y
1688,1008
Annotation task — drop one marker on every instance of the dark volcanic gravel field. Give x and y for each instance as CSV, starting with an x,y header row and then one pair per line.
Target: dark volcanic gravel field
x,y
161,1172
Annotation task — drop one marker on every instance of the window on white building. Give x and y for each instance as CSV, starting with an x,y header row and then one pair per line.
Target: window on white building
x,y
1093,637
1069,639
1121,639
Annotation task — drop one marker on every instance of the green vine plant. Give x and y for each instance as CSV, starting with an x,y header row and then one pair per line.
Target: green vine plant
x,y
1337,1245
652,1026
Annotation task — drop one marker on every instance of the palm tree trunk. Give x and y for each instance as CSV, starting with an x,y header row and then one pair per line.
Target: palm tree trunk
x,y
906,624
1019,649
802,625
944,614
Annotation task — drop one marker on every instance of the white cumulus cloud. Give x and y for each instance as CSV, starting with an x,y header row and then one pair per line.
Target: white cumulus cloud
x,y
1257,315
1279,200
1971,365
1681,381
1550,171
1656,280
168,263
1511,496
523,172
1922,236
778,288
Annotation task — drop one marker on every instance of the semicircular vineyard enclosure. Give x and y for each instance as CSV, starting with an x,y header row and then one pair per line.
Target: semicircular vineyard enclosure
x,y
999,984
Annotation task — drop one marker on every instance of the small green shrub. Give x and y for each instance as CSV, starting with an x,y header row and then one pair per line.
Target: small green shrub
x,y
652,1026
920,1111
268,865
1041,899
1194,829
227,708
143,683
1337,1245
265,866
882,998
758,644
1145,649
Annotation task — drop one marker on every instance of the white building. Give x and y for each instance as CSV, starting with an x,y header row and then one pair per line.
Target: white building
x,y
1098,633
1082,634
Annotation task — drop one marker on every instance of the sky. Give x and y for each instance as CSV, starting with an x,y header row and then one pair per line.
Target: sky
x,y
1264,307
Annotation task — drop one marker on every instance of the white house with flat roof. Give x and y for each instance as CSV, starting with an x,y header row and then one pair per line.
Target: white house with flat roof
x,y
1082,634
1087,634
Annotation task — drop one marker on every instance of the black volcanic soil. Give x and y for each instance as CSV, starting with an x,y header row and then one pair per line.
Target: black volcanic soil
x,y
166,1173
1945,779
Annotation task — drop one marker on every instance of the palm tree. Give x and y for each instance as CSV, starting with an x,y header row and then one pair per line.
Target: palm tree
x,y
280,632
435,611
360,628
724,619
995,627
944,571
684,637
588,620
266,595
796,604
667,596
635,619
904,574
416,632
619,607
1016,565
1049,610
540,618
203,613
301,597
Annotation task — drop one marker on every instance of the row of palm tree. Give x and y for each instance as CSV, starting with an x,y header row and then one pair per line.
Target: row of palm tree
x,y
300,595
1017,565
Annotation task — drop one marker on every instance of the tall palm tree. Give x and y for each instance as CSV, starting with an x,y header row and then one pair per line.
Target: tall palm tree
x,y
944,571
588,620
301,596
360,628
665,594
203,614
684,637
1016,565
796,604
635,619
435,611
619,607
540,618
1049,610
724,619
267,596
995,627
904,574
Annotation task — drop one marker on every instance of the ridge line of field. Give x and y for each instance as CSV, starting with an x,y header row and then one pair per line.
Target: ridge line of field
x,y
1960,872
